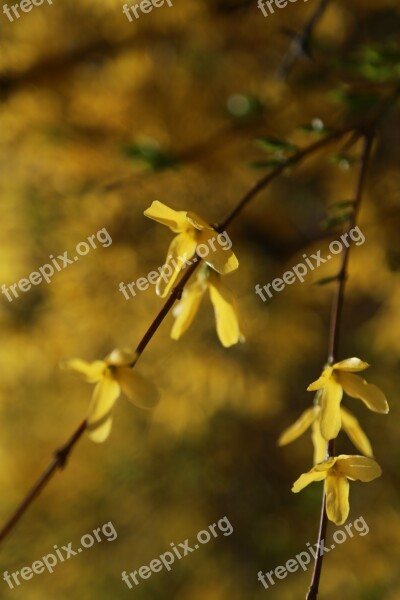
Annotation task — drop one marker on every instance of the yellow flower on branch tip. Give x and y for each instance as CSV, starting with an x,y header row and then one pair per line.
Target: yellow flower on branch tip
x,y
192,231
112,376
338,378
336,472
312,418
226,315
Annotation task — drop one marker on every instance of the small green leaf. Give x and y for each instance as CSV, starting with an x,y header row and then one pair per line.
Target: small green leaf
x,y
341,204
152,156
326,280
271,144
356,102
273,163
373,63
336,220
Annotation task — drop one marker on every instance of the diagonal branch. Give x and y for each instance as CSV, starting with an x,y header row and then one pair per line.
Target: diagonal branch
x,y
58,463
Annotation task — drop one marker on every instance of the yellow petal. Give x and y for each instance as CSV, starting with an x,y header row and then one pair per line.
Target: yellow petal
x,y
298,428
99,418
326,464
226,317
141,392
353,429
358,468
121,358
185,311
321,381
100,433
337,498
330,409
356,387
92,372
319,442
317,473
351,364
182,247
222,261
197,222
174,219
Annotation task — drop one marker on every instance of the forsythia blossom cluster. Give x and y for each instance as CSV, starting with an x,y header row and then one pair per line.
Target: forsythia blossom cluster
x,y
192,231
116,373
326,418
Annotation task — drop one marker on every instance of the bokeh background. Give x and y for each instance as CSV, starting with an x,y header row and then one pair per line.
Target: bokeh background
x,y
99,118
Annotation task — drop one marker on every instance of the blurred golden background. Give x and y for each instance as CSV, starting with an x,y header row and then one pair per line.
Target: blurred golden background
x,y
99,118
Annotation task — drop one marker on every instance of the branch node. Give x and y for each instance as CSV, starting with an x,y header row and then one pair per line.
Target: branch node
x,y
61,457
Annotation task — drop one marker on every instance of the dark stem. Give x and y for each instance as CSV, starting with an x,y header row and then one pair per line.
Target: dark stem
x,y
333,345
323,526
175,295
62,455
338,300
300,44
266,180
58,463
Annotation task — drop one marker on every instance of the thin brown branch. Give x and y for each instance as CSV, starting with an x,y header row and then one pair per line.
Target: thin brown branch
x,y
323,527
58,463
175,295
337,307
333,345
291,161
300,44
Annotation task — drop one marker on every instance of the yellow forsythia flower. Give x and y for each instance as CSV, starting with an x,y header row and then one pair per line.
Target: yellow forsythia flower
x,y
112,375
336,378
226,316
312,418
192,231
336,472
